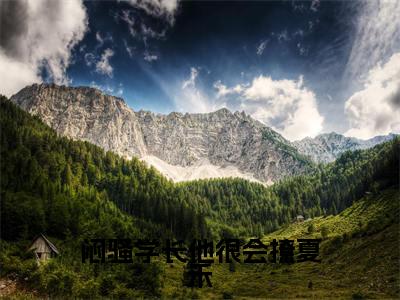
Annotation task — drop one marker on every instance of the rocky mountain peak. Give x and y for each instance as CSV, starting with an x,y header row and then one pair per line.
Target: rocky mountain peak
x,y
328,146
216,144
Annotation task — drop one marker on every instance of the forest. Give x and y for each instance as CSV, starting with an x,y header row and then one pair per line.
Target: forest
x,y
72,190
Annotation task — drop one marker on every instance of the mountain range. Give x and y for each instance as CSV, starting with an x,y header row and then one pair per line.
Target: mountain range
x,y
183,146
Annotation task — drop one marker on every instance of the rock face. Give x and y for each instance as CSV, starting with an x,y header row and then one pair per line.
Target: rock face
x,y
222,139
327,147
86,114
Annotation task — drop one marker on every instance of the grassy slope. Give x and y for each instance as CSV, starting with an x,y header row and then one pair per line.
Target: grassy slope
x,y
360,258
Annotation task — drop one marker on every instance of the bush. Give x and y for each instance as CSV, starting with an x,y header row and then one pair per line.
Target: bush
x,y
59,283
311,228
86,289
324,231
122,292
357,296
332,245
107,285
227,295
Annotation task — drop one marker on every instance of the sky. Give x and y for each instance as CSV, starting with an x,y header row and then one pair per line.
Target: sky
x,y
301,67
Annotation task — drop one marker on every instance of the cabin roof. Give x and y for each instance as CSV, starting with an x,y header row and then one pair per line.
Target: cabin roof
x,y
50,244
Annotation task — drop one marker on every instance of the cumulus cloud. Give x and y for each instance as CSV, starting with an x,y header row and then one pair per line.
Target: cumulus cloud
x,y
38,35
223,90
375,110
376,38
285,105
103,65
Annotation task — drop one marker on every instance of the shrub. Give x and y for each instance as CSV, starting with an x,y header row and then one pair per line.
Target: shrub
x,y
86,289
107,285
227,295
311,228
324,231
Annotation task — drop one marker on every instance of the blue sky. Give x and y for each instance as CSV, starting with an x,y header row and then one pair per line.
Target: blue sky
x,y
301,67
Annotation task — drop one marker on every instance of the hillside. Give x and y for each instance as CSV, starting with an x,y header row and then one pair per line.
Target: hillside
x,y
73,190
38,161
359,252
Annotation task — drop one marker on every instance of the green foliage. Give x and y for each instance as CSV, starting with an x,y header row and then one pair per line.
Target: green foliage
x,y
311,228
248,208
58,182
324,231
73,190
53,184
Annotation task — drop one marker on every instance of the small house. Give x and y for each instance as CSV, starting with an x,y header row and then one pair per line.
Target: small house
x,y
299,219
43,248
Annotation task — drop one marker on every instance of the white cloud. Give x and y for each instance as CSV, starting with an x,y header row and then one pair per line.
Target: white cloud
x,y
223,90
130,20
374,69
375,110
158,8
89,59
103,65
102,39
376,38
129,49
119,91
283,36
190,98
148,32
99,38
299,32
15,75
37,35
303,51
261,47
149,57
191,81
285,105
315,5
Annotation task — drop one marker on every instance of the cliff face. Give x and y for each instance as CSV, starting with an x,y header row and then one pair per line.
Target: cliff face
x,y
86,114
222,139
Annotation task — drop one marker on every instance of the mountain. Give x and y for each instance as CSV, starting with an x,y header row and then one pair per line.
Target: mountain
x,y
74,190
41,169
327,147
182,146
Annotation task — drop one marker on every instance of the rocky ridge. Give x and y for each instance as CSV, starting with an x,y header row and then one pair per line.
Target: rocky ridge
x,y
223,139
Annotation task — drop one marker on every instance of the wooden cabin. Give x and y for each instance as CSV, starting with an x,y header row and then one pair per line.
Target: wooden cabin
x,y
43,248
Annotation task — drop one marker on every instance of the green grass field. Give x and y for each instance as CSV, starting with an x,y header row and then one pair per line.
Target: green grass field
x,y
360,259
